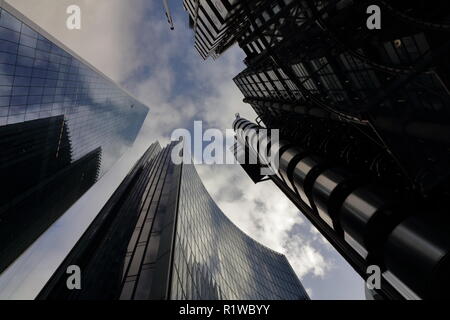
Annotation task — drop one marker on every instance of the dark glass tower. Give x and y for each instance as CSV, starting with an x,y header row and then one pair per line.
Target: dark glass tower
x,y
62,126
161,236
35,162
364,116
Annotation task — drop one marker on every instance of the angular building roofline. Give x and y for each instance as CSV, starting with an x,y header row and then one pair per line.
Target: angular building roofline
x,y
162,226
8,7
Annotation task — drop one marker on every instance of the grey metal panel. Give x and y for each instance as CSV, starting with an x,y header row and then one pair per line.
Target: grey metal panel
x,y
304,175
366,217
417,253
325,187
286,159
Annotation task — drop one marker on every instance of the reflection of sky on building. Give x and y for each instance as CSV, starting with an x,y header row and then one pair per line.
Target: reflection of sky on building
x,y
209,246
38,79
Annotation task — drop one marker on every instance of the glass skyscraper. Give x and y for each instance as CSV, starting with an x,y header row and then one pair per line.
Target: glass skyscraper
x,y
63,124
212,23
209,247
218,24
161,236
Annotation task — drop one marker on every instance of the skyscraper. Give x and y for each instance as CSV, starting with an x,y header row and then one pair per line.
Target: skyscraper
x,y
161,236
385,92
368,223
364,117
34,165
216,24
374,104
62,126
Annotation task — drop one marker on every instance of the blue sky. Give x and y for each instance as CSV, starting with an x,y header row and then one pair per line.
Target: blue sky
x,y
131,42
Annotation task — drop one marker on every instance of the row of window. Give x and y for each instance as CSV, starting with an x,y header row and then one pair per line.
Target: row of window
x,y
211,24
344,82
38,79
268,19
209,246
346,90
143,246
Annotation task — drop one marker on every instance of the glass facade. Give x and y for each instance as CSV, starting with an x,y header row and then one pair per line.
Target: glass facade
x,y
214,259
39,79
215,24
208,24
55,110
146,266
161,236
362,116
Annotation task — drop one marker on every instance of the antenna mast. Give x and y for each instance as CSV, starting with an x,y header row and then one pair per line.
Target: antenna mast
x,y
168,15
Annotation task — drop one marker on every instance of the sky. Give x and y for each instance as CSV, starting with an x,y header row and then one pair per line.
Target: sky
x,y
131,42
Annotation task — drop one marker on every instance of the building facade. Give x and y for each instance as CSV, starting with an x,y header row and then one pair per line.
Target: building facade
x,y
217,23
373,228
63,124
161,236
367,113
33,171
383,91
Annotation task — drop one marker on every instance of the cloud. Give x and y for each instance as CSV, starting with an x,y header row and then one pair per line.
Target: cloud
x,y
134,46
130,42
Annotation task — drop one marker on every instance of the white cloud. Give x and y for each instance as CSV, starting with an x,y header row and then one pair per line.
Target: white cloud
x,y
149,60
121,39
